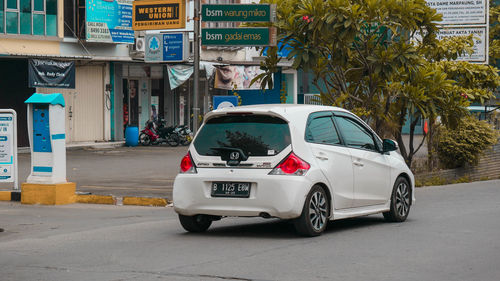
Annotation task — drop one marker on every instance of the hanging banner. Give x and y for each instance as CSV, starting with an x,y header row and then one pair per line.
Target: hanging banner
x,y
109,21
159,14
51,74
237,77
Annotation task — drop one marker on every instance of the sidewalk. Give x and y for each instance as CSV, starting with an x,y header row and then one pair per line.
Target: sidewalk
x,y
112,169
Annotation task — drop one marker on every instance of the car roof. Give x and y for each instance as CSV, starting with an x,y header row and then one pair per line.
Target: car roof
x,y
287,111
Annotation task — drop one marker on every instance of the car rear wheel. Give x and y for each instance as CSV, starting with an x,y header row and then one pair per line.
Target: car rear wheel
x,y
400,201
314,217
197,223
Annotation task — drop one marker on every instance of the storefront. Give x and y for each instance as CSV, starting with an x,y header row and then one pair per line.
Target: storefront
x,y
138,95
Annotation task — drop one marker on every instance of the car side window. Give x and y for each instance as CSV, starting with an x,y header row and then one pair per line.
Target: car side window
x,y
322,130
354,134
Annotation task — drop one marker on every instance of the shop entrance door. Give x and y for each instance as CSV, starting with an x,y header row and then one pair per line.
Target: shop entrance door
x,y
130,103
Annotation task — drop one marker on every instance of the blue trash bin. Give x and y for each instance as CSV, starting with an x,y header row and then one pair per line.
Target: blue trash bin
x,y
131,136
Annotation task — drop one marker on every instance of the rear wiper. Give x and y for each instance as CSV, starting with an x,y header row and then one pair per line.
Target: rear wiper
x,y
232,155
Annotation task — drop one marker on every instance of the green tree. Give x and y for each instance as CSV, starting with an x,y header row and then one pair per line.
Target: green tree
x,y
381,60
465,143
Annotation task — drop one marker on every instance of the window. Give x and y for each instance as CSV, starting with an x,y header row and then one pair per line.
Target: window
x,y
354,134
255,135
321,130
28,17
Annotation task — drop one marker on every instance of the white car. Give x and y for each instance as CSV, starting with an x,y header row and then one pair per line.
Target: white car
x,y
308,163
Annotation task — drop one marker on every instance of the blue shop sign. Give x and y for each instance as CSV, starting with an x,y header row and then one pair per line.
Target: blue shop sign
x,y
166,47
109,21
220,102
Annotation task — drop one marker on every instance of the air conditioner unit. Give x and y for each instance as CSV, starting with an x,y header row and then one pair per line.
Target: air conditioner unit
x,y
140,44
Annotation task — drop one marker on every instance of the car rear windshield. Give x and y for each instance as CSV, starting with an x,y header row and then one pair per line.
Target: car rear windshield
x,y
255,135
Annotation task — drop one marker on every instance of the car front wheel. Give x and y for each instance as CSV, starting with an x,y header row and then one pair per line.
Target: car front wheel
x,y
314,217
400,201
197,223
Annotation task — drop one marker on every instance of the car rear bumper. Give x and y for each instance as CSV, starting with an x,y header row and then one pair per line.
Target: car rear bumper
x,y
277,195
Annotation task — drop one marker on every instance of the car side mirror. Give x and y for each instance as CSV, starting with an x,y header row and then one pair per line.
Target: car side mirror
x,y
389,145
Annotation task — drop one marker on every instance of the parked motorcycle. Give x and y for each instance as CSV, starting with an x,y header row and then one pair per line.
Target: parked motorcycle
x,y
185,134
157,133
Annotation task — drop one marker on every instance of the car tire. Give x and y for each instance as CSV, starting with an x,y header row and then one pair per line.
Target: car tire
x,y
314,217
197,223
400,201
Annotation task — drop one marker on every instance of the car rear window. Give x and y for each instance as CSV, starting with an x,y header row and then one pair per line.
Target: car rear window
x,y
255,135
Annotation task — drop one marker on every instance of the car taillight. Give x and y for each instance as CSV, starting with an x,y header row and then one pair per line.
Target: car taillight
x,y
187,165
291,165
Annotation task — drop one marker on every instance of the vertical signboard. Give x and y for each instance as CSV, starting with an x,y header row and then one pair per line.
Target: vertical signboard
x,y
109,21
8,146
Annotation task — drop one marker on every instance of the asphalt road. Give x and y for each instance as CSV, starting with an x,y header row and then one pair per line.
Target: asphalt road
x,y
122,171
452,233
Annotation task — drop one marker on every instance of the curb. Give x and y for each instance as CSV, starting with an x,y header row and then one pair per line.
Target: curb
x,y
99,199
10,195
125,200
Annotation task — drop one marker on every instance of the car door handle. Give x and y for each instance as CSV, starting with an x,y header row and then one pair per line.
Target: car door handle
x,y
358,163
321,157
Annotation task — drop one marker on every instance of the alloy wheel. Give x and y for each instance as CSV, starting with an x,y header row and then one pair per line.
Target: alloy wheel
x,y
318,210
402,199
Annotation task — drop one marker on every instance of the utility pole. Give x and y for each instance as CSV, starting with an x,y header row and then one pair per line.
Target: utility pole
x,y
196,94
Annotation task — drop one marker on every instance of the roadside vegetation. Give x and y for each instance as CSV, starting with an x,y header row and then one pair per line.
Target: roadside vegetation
x,y
382,60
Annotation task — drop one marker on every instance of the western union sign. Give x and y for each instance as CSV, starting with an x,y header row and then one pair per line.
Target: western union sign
x,y
159,14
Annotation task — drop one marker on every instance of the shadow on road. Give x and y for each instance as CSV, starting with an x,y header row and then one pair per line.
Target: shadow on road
x,y
275,228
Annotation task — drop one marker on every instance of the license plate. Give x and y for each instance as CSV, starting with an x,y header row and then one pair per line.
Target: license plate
x,y
231,189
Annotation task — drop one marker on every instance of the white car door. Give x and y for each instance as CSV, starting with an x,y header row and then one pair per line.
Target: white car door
x,y
370,167
332,157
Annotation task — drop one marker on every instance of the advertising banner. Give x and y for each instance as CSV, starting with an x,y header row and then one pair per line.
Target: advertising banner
x,y
166,47
109,21
480,54
460,12
6,147
51,74
159,14
237,77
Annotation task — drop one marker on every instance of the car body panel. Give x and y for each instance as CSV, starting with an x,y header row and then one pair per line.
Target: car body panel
x,y
283,196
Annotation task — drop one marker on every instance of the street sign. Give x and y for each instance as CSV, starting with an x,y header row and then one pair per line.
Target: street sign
x,y
240,36
166,47
158,14
239,12
8,147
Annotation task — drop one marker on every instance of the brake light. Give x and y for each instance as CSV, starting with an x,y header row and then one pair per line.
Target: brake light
x,y
291,165
187,165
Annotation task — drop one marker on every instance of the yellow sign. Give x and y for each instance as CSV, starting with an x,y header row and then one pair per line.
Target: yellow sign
x,y
159,14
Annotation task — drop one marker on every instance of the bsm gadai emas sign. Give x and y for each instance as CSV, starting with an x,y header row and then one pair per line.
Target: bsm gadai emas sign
x,y
240,36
